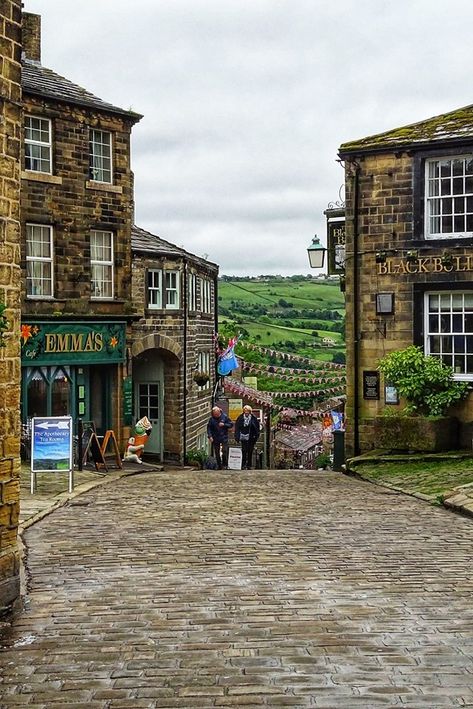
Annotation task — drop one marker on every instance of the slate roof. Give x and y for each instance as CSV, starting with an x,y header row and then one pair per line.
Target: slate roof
x,y
453,126
39,81
145,242
300,438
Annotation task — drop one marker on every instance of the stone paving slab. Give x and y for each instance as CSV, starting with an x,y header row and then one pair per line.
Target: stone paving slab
x,y
213,589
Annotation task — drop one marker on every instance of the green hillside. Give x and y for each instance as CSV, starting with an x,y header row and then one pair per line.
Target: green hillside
x,y
291,314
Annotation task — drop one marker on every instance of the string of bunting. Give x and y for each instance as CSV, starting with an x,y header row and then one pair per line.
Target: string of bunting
x,y
265,399
288,374
306,394
318,363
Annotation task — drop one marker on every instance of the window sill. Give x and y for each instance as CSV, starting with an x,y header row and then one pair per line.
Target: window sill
x,y
103,187
41,177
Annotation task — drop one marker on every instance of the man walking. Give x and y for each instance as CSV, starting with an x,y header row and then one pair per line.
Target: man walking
x,y
217,430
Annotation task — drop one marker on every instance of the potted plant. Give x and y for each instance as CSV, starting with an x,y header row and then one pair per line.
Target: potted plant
x,y
196,457
428,390
201,378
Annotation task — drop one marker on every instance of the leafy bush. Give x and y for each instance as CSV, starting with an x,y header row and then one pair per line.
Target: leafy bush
x,y
196,456
425,382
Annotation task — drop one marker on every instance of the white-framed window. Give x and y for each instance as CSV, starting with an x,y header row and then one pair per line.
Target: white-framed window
x,y
449,197
163,289
38,144
39,261
100,156
205,295
171,290
449,330
155,293
202,441
203,365
192,292
101,262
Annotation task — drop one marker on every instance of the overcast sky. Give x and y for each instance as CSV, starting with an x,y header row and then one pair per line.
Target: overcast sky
x,y
246,102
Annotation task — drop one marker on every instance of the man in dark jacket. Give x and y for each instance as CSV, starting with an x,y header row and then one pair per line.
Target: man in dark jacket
x,y
217,430
247,433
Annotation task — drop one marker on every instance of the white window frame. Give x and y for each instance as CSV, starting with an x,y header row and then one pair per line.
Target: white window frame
x,y
99,170
40,262
154,285
202,441
205,295
449,197
103,265
448,330
35,163
171,303
203,365
192,292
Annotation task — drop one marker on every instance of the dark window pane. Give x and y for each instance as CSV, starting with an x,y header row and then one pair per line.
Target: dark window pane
x,y
459,344
458,185
433,323
445,323
447,344
445,168
459,365
469,185
459,205
469,364
459,224
445,187
469,223
458,323
447,205
435,344
458,167
468,322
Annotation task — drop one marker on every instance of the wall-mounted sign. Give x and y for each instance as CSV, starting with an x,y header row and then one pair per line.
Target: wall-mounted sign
x,y
425,264
72,343
127,401
336,246
234,408
384,303
371,385
391,395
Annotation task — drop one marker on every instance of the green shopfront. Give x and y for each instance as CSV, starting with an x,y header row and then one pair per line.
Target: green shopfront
x,y
74,368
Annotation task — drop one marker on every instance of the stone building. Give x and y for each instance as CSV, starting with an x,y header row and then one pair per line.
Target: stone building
x,y
77,212
10,141
175,294
409,260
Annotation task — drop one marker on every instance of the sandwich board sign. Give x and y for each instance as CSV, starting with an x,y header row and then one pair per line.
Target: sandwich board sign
x,y
234,458
51,447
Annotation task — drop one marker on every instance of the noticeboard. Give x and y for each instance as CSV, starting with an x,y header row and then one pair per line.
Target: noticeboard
x,y
51,444
371,385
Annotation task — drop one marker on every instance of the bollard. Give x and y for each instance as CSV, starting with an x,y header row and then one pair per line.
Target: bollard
x,y
338,450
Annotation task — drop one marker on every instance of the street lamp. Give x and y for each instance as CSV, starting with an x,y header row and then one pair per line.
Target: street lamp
x,y
316,253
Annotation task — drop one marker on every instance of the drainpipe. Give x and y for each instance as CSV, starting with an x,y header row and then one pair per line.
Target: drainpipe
x,y
184,365
356,313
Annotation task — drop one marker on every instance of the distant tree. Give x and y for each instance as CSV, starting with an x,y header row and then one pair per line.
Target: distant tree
x,y
339,358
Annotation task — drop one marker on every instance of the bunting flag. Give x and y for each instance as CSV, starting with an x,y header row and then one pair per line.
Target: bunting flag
x,y
227,361
285,356
288,374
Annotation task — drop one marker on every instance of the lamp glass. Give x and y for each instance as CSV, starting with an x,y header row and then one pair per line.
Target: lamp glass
x,y
316,254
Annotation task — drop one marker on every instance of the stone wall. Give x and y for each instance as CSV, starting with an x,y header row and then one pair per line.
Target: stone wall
x,y
74,205
10,138
384,222
185,404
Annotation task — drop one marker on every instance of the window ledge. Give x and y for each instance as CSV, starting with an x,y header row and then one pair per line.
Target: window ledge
x,y
103,187
41,177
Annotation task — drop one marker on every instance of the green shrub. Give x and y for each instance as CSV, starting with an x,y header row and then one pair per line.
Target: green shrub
x,y
423,381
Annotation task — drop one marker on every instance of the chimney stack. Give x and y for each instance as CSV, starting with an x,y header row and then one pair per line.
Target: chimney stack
x,y
31,36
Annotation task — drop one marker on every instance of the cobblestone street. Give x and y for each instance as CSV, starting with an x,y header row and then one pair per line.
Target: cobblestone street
x,y
189,589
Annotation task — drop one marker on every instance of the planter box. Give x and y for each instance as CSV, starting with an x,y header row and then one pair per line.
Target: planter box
x,y
416,433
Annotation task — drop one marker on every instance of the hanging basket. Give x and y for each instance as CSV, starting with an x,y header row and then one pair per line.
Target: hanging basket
x,y
201,378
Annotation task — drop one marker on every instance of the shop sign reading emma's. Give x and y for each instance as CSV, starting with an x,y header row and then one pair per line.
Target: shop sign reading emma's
x,y
425,264
72,343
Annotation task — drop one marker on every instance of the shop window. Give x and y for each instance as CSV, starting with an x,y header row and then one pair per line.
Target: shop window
x,y
100,156
39,261
48,391
60,394
449,197
37,396
101,262
38,148
449,330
